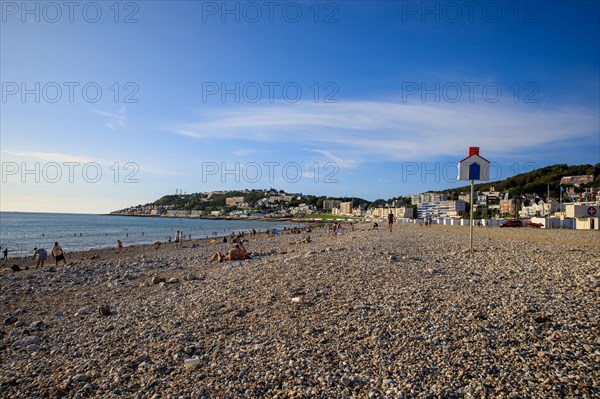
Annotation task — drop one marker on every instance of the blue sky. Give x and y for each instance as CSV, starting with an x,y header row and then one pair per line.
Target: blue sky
x,y
106,105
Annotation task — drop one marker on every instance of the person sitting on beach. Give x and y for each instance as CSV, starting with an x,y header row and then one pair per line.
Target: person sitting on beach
x,y
236,253
306,240
329,230
375,226
157,245
58,254
41,254
95,256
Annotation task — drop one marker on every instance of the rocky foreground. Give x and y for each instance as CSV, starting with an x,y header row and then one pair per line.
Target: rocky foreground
x,y
366,314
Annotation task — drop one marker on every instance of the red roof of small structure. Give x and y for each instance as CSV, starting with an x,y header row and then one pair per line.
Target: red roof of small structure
x,y
471,156
474,151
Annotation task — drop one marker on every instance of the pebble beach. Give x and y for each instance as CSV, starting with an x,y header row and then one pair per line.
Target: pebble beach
x,y
363,314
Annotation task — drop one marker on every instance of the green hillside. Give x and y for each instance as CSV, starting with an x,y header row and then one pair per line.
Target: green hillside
x,y
535,182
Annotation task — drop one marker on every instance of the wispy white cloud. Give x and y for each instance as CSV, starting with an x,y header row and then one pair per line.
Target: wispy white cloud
x,y
244,152
114,120
50,156
397,131
342,162
62,158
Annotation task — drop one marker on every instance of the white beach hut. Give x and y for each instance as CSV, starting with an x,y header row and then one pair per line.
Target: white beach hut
x,y
474,167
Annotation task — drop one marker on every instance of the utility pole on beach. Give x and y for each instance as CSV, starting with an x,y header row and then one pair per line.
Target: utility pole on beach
x,y
548,207
474,167
471,217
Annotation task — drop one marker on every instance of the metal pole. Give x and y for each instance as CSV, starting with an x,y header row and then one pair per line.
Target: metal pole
x,y
548,209
560,190
471,220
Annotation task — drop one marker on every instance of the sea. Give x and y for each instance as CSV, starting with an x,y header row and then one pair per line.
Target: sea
x,y
20,232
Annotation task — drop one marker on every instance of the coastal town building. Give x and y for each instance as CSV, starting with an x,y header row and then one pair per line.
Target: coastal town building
x,y
302,210
539,208
482,198
398,212
576,180
442,209
281,198
329,205
428,198
465,197
346,208
358,212
587,216
510,206
235,201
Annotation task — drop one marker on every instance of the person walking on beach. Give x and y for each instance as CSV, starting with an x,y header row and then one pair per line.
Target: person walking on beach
x,y
58,254
119,247
5,252
390,221
42,255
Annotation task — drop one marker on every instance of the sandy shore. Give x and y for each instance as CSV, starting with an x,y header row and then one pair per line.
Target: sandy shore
x,y
366,314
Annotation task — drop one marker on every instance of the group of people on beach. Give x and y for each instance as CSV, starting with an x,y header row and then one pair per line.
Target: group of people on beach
x,y
238,252
42,254
337,228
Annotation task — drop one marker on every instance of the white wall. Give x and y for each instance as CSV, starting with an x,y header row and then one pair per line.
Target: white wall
x,y
585,223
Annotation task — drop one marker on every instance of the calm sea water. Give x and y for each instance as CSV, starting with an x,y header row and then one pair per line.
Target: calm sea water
x,y
20,232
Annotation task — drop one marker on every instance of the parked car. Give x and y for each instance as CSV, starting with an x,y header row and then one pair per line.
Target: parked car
x,y
512,223
534,224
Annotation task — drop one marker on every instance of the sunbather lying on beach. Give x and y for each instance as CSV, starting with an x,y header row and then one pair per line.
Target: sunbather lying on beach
x,y
306,240
236,253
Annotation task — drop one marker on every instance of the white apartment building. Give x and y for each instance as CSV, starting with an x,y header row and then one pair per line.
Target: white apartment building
x,y
442,209
399,213
428,198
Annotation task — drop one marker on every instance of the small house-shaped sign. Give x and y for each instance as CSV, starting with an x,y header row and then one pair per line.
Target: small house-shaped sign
x,y
474,167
